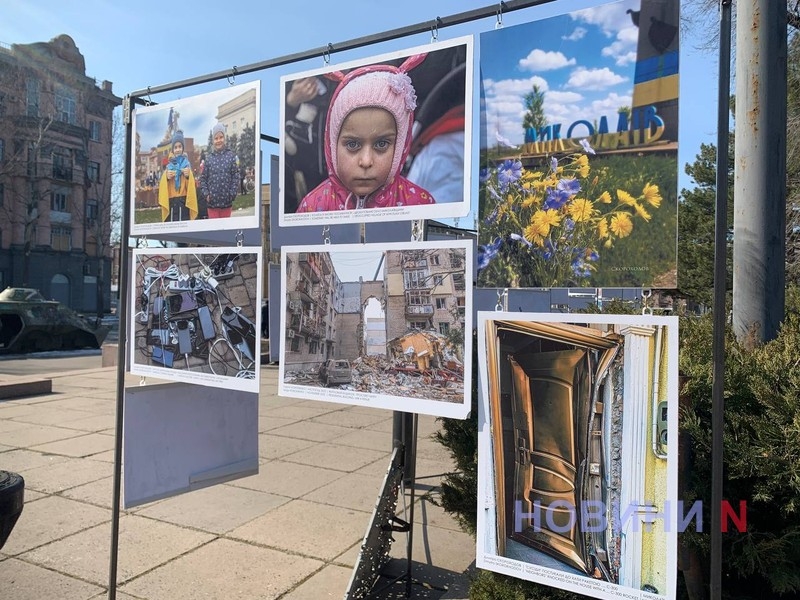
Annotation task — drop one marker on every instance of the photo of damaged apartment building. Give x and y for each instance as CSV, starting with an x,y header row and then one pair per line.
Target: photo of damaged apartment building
x,y
397,325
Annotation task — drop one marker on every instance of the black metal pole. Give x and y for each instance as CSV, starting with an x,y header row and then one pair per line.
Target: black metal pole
x,y
122,320
720,285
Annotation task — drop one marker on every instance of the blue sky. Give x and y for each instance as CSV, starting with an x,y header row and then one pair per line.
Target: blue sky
x,y
583,62
150,43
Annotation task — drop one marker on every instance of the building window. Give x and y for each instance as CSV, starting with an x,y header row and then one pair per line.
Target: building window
x,y
62,165
418,298
416,278
60,238
444,328
456,260
93,171
32,97
438,280
421,325
296,344
66,106
59,200
94,131
458,281
91,212
441,303
312,347
435,260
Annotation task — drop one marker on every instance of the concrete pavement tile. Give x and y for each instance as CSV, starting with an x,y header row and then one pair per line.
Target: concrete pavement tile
x,y
225,569
79,447
21,460
48,519
107,456
435,549
119,596
266,422
32,435
272,447
52,416
143,545
7,425
305,430
348,418
31,495
31,582
387,425
6,448
350,556
298,413
97,405
376,469
432,469
428,514
330,582
9,410
354,490
334,456
93,423
99,493
67,474
308,528
287,479
216,509
366,438
368,410
432,450
323,403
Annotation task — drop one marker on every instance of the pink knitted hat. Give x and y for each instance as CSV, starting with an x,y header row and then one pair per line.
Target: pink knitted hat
x,y
379,86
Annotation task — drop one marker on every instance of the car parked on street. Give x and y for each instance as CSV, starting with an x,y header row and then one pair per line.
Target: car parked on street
x,y
336,371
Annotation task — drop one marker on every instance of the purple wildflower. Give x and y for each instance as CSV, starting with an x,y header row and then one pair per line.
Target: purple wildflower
x,y
556,198
587,147
509,172
553,164
484,174
572,186
488,252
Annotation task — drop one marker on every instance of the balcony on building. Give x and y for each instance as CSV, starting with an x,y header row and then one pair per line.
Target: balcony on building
x,y
419,309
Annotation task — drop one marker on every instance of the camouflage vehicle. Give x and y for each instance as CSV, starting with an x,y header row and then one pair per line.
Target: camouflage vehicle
x,y
29,323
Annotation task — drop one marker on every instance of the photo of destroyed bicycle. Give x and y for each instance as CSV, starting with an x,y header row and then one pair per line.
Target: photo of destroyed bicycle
x,y
195,316
378,325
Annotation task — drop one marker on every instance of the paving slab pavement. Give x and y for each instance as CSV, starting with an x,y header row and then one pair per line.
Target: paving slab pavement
x,y
291,532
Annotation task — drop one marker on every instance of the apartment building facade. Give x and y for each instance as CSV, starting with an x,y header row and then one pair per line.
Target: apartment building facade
x,y
55,174
426,290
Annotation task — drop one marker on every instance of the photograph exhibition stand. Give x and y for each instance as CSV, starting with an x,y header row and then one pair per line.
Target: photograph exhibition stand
x,y
404,429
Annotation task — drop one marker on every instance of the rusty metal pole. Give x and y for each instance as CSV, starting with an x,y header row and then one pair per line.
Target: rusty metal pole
x,y
759,218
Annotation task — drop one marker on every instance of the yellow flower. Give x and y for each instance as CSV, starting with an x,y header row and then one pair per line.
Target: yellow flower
x,y
652,195
540,224
580,210
605,198
530,176
602,229
641,211
625,198
582,165
621,225
531,233
530,200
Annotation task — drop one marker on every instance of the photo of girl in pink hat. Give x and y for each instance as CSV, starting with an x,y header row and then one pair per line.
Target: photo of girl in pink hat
x,y
367,138
359,159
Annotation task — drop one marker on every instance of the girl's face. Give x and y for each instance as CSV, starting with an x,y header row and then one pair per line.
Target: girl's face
x,y
365,149
219,140
177,148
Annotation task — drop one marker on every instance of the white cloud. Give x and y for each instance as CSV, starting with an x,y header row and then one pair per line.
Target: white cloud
x,y
577,34
540,60
611,18
623,49
593,79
